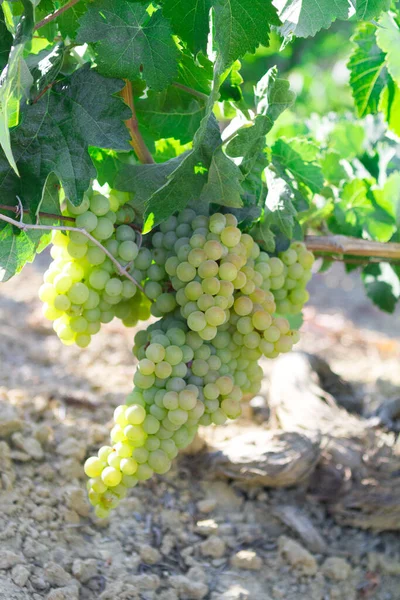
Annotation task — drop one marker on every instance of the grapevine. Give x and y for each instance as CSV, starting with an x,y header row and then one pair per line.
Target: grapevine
x,y
169,194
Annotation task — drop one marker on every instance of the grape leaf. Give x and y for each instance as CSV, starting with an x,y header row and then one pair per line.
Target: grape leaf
x,y
144,180
68,21
241,26
382,286
186,182
129,43
390,106
347,139
189,20
50,202
388,39
223,185
195,73
368,74
273,95
56,131
308,173
358,213
15,82
279,212
369,9
16,249
304,18
332,169
6,40
171,113
44,68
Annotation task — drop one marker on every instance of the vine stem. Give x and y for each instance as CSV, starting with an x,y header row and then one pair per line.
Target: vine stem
x,y
55,14
137,142
17,210
190,90
29,226
341,245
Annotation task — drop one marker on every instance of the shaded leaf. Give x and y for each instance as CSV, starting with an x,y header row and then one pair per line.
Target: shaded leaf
x,y
223,184
190,21
129,43
171,113
6,40
145,180
369,9
77,112
382,286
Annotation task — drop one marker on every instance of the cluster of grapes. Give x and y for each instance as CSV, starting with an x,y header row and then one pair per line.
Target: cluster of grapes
x,y
220,303
215,292
82,287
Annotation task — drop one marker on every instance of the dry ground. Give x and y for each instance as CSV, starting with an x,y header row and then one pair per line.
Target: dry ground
x,y
180,536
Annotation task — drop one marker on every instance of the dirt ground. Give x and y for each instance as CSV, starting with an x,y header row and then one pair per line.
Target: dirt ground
x,y
181,536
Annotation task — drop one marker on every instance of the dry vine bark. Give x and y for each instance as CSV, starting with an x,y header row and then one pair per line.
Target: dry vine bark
x,y
337,455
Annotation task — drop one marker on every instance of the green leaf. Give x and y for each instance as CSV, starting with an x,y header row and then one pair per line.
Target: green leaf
x,y
273,95
241,26
332,169
369,9
304,18
279,209
186,182
68,21
189,20
171,113
249,141
347,139
55,133
15,82
389,198
129,43
382,286
368,74
223,185
195,73
390,106
388,39
50,202
358,213
44,68
16,249
6,40
144,180
308,173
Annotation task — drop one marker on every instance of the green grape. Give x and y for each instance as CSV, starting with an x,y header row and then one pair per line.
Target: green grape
x,y
87,221
99,205
104,229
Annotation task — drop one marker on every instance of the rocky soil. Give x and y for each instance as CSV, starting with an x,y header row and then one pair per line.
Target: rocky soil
x,y
182,536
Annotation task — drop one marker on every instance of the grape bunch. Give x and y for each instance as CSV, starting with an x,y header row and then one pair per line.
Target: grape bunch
x,y
220,303
82,287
